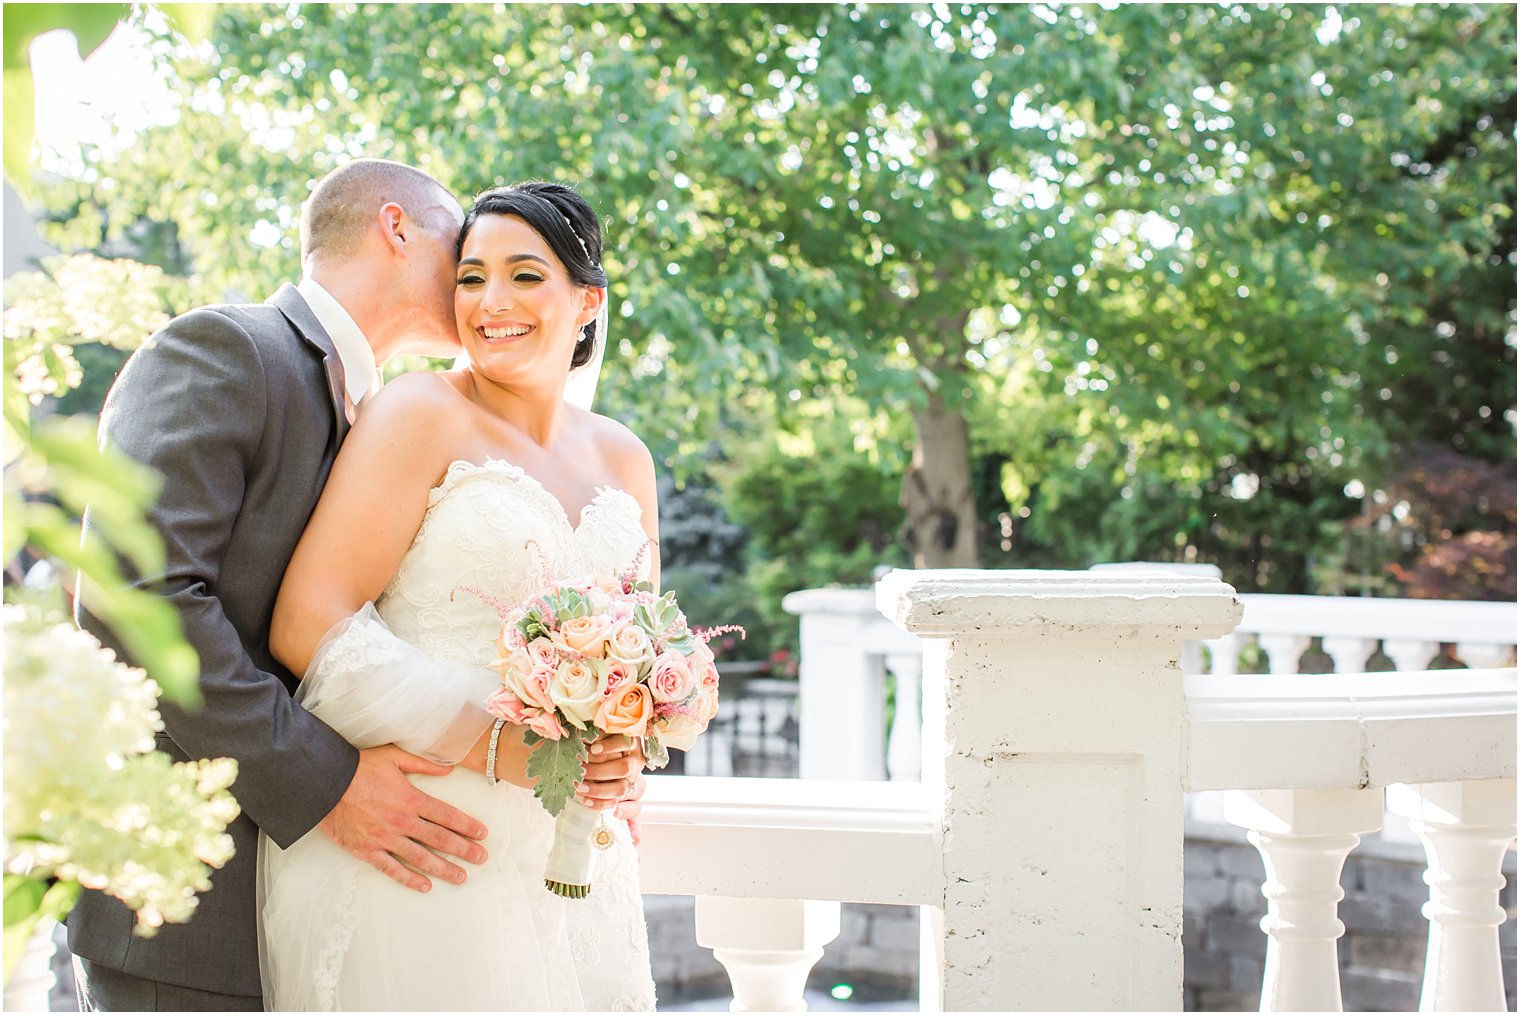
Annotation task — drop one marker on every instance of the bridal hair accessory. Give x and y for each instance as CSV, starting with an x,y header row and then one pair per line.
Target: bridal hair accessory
x,y
586,659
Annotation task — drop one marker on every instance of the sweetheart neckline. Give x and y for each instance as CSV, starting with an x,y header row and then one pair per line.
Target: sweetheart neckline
x,y
502,467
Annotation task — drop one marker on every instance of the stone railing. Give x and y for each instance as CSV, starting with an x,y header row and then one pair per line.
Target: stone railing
x,y
1043,842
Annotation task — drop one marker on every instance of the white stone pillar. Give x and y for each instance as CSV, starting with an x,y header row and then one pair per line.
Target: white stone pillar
x,y
1410,656
1466,827
1350,654
1304,836
841,691
1054,729
768,946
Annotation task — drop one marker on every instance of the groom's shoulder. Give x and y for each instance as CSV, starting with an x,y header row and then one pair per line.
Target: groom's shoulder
x,y
260,329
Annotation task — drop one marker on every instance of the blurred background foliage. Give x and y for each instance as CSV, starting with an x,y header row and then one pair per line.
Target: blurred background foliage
x,y
949,285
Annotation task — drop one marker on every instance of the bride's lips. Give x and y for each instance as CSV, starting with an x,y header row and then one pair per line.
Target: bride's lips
x,y
503,332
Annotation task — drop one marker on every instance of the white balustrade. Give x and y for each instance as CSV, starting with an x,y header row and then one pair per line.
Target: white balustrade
x,y
1043,844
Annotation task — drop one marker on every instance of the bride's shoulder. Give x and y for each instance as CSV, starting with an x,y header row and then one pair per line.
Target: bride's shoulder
x,y
619,445
421,396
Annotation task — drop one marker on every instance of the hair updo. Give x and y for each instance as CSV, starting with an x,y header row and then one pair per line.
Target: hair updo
x,y
566,222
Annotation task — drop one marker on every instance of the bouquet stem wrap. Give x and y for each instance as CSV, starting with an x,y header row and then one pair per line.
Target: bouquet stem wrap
x,y
572,857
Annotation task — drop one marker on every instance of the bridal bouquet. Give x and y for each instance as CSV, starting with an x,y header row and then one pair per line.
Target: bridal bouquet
x,y
583,659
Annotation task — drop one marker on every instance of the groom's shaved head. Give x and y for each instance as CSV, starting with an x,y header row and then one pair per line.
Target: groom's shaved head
x,y
344,203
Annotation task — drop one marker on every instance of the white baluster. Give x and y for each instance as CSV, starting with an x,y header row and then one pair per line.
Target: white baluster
x,y
1283,651
1466,827
904,743
768,946
1410,656
1350,655
1304,837
1224,655
1483,655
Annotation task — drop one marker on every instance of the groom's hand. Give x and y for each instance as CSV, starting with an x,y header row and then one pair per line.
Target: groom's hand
x,y
396,828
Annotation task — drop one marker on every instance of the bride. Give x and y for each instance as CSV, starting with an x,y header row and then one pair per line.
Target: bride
x,y
452,486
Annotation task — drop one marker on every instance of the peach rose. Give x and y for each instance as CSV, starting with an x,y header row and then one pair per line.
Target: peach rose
x,y
576,689
586,635
671,679
628,644
543,652
627,710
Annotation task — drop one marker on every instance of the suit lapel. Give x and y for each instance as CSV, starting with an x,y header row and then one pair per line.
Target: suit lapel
x,y
299,313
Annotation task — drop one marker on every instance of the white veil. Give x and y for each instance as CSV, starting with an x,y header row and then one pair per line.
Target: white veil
x,y
580,388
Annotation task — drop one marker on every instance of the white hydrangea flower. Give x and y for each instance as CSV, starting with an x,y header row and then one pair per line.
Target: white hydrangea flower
x,y
87,798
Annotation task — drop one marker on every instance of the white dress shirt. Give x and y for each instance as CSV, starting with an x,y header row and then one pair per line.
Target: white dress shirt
x,y
361,375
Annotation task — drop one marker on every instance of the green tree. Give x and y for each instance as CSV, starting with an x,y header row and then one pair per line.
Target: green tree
x,y
1152,258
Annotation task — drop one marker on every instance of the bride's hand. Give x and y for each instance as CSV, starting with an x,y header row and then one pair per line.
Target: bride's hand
x,y
612,772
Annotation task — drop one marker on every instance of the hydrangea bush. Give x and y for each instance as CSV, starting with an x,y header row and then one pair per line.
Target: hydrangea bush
x,y
87,799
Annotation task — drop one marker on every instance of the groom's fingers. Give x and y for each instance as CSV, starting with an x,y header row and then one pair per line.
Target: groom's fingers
x,y
390,824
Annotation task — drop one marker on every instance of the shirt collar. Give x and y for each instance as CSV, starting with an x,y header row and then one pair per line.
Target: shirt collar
x,y
361,376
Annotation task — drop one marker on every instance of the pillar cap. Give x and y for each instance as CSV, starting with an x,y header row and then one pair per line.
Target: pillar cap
x,y
1069,604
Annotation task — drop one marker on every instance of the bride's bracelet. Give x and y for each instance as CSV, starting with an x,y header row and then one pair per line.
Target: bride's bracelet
x,y
491,751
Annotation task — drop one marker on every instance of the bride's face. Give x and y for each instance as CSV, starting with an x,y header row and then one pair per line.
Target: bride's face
x,y
518,310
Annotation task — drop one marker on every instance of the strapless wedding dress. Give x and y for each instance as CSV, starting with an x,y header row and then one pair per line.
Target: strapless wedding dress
x,y
339,935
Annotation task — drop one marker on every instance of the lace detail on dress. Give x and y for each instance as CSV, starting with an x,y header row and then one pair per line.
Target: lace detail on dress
x,y
329,964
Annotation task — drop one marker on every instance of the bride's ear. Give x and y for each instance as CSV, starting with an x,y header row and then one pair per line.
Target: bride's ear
x,y
592,300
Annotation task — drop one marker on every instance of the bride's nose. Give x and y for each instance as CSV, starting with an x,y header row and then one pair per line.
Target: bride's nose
x,y
496,298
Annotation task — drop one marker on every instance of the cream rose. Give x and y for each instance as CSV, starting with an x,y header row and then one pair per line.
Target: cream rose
x,y
679,730
626,710
628,644
671,680
577,690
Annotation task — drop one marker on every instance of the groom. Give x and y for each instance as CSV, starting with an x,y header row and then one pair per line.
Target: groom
x,y
242,410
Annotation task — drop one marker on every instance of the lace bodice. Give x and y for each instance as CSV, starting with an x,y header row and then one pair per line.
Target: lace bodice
x,y
495,529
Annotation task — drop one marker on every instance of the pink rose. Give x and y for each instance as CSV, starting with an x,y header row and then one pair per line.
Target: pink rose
x,y
505,705
616,675
546,726
627,711
671,679
534,688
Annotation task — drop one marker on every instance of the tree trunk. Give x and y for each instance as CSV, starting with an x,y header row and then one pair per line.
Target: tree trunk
x,y
936,492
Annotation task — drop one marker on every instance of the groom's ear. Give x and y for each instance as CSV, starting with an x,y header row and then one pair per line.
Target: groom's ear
x,y
395,227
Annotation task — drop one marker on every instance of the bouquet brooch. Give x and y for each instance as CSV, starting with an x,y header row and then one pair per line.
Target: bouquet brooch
x,y
583,659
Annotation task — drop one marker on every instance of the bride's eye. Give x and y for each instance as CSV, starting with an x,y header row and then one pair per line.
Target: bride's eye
x,y
527,277
469,280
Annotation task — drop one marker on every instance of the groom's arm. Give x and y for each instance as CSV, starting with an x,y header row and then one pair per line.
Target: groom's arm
x,y
192,405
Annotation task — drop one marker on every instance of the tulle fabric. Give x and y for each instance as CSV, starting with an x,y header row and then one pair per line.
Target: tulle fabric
x,y
374,688
336,934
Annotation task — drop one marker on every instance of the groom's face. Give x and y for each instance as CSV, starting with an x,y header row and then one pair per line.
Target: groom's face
x,y
438,335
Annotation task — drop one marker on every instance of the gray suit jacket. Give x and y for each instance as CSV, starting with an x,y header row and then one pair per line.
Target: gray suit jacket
x,y
240,408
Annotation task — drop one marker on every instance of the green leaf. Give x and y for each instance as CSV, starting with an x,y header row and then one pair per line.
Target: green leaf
x,y
28,902
557,765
